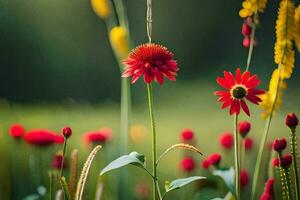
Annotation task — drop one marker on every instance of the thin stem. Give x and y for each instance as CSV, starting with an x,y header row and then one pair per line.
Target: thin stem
x,y
252,36
293,146
236,158
243,153
50,184
149,20
153,130
158,190
63,157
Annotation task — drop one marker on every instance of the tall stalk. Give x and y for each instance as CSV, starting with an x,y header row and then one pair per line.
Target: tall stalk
x,y
236,157
252,37
153,131
258,164
293,146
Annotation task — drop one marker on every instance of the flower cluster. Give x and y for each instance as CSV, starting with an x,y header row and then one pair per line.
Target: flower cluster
x,y
251,7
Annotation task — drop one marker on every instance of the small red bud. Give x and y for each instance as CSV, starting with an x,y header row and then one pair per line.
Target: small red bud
x,y
246,29
291,120
279,144
244,128
246,42
187,164
248,143
67,132
244,179
186,135
215,159
275,162
286,161
206,164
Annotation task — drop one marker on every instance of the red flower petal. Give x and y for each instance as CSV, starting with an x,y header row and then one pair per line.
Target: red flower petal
x,y
238,76
252,82
245,107
227,103
254,99
245,77
229,77
235,107
221,93
223,83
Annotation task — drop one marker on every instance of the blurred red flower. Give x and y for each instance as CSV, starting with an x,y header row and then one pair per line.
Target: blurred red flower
x,y
57,161
101,136
215,159
244,128
244,178
266,195
187,164
43,137
16,130
248,143
186,135
206,163
238,88
291,120
66,131
226,140
142,190
286,160
279,144
152,61
275,162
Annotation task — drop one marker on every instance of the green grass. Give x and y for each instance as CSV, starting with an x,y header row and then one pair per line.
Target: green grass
x,y
177,106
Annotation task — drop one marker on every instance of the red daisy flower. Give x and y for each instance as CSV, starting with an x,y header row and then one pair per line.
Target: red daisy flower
x,y
152,61
241,87
42,137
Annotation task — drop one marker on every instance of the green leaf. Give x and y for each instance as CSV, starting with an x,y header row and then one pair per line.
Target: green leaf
x,y
227,175
133,158
178,183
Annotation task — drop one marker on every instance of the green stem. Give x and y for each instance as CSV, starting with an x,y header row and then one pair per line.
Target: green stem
x,y
50,184
63,157
153,130
252,36
236,158
293,146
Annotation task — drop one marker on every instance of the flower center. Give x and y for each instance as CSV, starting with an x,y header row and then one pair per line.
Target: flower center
x,y
239,92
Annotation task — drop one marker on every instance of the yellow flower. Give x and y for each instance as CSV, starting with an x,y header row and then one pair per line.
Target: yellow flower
x,y
252,6
269,97
284,54
138,133
119,41
297,27
101,8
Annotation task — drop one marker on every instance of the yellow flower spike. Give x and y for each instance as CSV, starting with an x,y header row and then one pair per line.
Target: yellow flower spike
x,y
297,27
268,97
252,6
119,41
101,8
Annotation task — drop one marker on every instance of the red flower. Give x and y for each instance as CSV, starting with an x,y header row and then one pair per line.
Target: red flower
x,y
43,137
215,159
152,61
279,144
286,161
206,163
268,190
16,130
101,136
248,143
275,162
244,178
265,196
58,161
291,120
186,135
238,88
226,140
246,29
244,128
67,132
187,164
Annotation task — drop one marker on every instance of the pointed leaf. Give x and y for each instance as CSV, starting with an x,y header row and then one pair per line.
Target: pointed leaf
x,y
178,183
133,158
227,175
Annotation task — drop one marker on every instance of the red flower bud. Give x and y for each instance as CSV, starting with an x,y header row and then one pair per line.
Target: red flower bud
x,y
215,159
244,178
279,144
186,135
269,185
67,132
291,120
187,164
226,140
246,29
57,161
206,164
265,196
16,131
244,128
246,42
286,161
275,162
248,143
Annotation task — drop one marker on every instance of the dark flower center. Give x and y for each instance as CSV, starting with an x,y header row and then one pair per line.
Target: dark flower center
x,y
239,92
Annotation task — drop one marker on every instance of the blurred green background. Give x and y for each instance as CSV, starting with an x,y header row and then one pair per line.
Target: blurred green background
x,y
57,68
